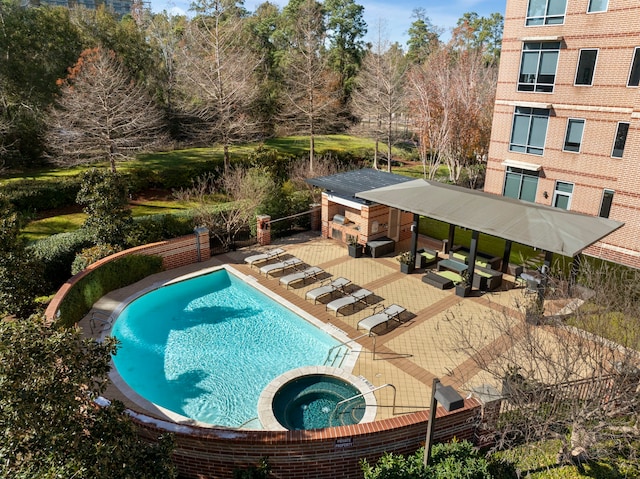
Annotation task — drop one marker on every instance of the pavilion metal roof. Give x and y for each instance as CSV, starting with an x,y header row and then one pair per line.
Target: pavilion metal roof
x,y
349,183
549,229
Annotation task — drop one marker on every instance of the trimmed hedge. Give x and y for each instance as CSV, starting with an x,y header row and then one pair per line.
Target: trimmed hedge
x,y
30,196
153,228
57,253
113,275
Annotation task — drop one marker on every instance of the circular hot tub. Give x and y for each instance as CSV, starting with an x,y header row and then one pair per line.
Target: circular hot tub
x,y
315,398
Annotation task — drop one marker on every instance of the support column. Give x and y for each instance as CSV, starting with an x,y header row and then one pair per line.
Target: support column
x,y
506,255
414,239
575,269
473,251
264,230
449,245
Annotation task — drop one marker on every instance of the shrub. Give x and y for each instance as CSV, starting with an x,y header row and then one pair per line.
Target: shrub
x,y
453,460
115,274
57,252
103,195
37,195
90,255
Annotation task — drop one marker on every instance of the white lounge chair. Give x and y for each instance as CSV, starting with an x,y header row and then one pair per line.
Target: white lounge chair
x,y
387,314
351,299
262,257
337,284
281,266
309,273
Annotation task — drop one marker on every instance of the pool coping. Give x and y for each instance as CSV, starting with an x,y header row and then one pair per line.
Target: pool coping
x,y
339,335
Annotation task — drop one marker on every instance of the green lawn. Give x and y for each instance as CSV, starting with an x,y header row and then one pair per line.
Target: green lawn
x,y
42,228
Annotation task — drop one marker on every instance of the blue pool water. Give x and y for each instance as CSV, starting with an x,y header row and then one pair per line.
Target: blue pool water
x,y
206,347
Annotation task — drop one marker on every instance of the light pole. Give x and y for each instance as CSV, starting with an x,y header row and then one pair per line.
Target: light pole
x,y
448,399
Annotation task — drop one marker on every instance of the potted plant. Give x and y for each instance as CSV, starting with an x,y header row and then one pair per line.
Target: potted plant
x,y
407,262
463,288
355,249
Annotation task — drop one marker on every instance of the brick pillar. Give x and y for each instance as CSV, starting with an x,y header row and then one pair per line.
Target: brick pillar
x,y
491,400
203,252
316,216
264,230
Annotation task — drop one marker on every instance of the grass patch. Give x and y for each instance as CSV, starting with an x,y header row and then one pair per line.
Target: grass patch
x,y
40,229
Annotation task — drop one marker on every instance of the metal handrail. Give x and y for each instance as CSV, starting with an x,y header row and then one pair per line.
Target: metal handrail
x,y
247,422
342,343
106,320
393,410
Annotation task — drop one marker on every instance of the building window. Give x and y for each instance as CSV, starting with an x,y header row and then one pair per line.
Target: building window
x,y
586,67
538,66
520,184
620,140
529,130
605,205
573,138
598,6
634,75
546,12
562,195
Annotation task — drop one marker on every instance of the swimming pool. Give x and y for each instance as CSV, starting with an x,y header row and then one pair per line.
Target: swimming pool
x,y
205,347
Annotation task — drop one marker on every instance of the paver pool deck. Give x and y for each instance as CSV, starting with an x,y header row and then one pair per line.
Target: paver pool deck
x,y
408,354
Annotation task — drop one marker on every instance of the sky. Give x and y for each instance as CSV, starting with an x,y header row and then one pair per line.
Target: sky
x,y
394,15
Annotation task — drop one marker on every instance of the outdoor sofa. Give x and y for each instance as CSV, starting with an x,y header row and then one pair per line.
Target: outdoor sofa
x,y
427,257
482,259
486,279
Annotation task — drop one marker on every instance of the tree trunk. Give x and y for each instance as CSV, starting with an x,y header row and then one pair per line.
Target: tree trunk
x,y
227,159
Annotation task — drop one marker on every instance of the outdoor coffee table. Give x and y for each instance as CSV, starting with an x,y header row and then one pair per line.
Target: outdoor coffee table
x,y
451,265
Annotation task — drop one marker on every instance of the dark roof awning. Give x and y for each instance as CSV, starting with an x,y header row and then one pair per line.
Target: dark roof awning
x,y
549,229
347,184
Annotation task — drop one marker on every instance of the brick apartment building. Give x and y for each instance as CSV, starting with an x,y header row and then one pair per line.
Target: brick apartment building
x,y
566,125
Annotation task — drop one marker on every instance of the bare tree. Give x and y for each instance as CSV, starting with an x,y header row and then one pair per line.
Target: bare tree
x,y
245,190
428,84
299,174
452,96
311,90
561,379
216,75
379,95
102,114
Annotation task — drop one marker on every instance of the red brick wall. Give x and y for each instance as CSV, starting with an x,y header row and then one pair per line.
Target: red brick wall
x,y
175,253
614,34
323,454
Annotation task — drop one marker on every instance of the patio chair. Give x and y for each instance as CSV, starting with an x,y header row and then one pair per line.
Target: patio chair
x,y
329,287
309,273
351,299
262,257
387,314
280,267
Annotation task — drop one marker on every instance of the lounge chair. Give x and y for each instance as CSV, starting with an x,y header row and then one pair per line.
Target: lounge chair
x,y
309,273
262,257
281,266
349,300
331,287
387,314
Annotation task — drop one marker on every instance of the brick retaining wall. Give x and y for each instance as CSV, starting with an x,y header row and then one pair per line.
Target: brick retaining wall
x,y
176,252
208,453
